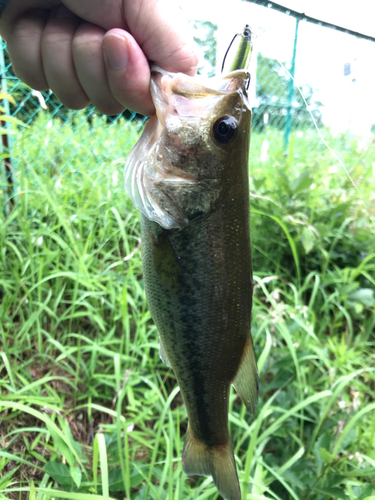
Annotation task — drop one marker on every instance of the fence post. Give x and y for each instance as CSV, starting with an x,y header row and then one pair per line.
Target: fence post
x,y
288,120
6,142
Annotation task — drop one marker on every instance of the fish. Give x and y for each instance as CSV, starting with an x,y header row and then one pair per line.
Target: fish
x,y
188,175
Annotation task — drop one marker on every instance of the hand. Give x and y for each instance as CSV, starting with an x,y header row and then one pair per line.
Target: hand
x,y
97,50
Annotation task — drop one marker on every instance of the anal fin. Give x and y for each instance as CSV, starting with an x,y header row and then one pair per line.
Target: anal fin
x,y
162,353
246,381
217,461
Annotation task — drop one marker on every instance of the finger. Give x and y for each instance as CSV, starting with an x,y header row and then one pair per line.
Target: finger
x,y
90,68
163,34
24,45
16,9
128,71
58,61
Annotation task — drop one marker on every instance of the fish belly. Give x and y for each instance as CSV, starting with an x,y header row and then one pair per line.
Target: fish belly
x,y
198,283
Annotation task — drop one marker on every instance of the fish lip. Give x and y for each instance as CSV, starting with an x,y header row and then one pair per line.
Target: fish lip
x,y
187,86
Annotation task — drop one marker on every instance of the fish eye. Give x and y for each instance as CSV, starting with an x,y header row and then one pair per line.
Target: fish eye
x,y
224,129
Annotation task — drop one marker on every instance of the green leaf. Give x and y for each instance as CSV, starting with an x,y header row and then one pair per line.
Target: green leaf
x,y
324,442
351,424
52,493
103,463
293,479
76,474
327,457
52,427
333,493
303,182
6,478
367,471
7,131
135,479
18,459
287,234
363,295
323,229
62,448
115,480
259,482
12,119
32,495
349,439
5,95
291,461
258,183
65,427
59,472
308,239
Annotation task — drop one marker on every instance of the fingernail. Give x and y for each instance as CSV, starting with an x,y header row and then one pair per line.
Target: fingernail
x,y
116,51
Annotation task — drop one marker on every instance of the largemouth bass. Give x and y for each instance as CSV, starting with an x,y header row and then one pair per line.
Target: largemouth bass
x,y
188,174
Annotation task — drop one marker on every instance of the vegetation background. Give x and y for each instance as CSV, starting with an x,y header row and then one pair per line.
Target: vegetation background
x,y
89,411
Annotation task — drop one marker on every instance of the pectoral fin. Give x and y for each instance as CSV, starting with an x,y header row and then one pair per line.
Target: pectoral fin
x,y
246,381
166,263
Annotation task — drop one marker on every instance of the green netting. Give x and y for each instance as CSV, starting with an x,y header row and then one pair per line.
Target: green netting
x,y
53,141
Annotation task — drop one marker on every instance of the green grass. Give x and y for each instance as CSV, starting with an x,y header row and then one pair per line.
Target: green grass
x,y
88,410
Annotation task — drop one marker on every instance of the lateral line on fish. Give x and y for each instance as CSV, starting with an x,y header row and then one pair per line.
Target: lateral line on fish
x,y
318,130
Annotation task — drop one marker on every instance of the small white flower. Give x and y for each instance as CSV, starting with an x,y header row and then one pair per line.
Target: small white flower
x,y
313,185
356,400
296,345
299,134
264,151
340,426
40,241
333,169
342,404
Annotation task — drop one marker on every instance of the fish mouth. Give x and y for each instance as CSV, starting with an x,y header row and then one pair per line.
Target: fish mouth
x,y
175,93
187,86
173,174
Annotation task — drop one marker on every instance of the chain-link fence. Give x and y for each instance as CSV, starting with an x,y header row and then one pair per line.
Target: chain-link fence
x,y
331,68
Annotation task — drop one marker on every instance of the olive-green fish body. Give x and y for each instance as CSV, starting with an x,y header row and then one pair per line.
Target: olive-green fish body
x,y
190,179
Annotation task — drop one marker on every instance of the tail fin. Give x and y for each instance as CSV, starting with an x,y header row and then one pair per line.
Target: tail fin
x,y
217,461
